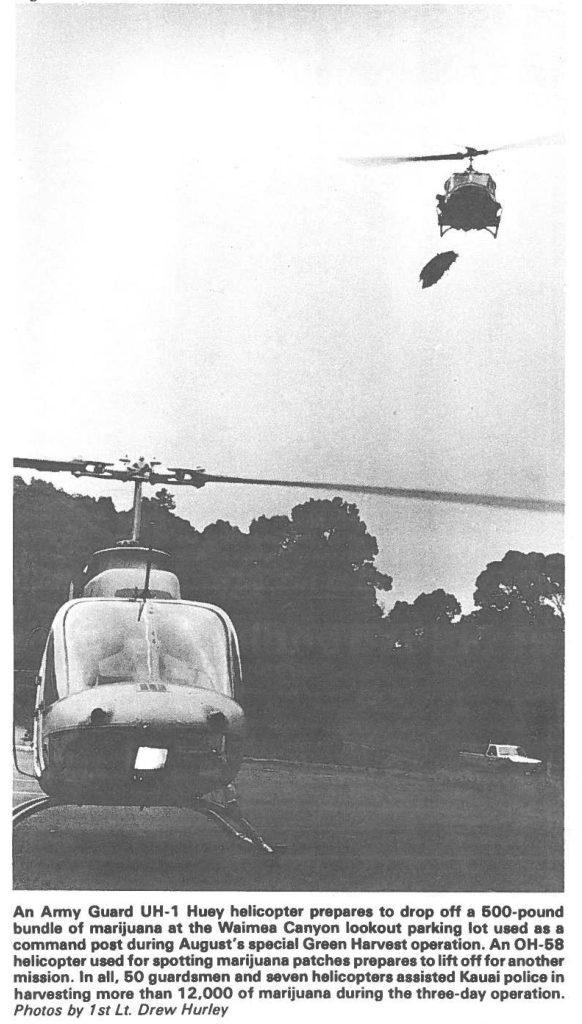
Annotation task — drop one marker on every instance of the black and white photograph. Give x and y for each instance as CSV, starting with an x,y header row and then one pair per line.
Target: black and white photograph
x,y
289,598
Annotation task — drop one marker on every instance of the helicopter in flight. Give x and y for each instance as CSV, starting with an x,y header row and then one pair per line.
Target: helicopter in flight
x,y
468,201
138,690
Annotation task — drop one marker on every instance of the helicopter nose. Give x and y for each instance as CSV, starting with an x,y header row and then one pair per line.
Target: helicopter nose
x,y
120,744
207,712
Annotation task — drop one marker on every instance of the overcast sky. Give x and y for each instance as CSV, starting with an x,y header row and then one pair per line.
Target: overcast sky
x,y
206,282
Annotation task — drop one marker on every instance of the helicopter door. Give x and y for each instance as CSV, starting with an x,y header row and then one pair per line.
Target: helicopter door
x,y
46,695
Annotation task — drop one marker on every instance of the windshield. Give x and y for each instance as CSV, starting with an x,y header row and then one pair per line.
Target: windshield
x,y
178,644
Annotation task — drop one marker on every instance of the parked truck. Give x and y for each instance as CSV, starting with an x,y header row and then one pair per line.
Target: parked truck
x,y
502,756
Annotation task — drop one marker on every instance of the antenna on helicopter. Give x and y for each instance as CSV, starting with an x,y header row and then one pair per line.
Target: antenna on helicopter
x,y
146,587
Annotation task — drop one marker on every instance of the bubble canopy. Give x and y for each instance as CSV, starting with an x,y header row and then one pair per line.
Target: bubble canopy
x,y
150,643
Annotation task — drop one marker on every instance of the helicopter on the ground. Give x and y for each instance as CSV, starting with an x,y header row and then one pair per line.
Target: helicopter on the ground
x,y
138,690
468,201
137,700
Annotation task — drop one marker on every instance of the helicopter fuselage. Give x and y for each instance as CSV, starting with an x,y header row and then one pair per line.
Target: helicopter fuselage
x,y
469,203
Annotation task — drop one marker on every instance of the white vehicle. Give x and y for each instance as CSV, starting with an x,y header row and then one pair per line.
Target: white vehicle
x,y
499,755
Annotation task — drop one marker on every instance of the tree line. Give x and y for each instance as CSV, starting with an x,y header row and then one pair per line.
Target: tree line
x,y
327,674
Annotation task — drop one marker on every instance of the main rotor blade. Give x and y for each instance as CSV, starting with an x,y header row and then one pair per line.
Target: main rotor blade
x,y
60,466
419,494
469,152
180,477
542,140
381,161
95,468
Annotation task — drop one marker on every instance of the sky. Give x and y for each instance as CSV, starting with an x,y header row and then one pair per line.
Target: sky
x,y
205,281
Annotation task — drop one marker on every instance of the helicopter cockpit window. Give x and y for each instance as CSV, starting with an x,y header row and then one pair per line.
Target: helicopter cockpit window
x,y
49,692
169,643
456,180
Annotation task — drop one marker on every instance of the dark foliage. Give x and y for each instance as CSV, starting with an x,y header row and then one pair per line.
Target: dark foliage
x,y
528,588
164,499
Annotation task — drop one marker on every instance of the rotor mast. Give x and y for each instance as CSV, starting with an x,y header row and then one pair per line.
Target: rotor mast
x,y
140,472
137,500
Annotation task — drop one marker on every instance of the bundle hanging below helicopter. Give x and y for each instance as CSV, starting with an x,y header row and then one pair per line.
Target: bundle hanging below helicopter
x,y
435,268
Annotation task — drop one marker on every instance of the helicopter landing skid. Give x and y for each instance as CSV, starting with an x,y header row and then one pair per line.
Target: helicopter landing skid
x,y
489,228
26,810
229,817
